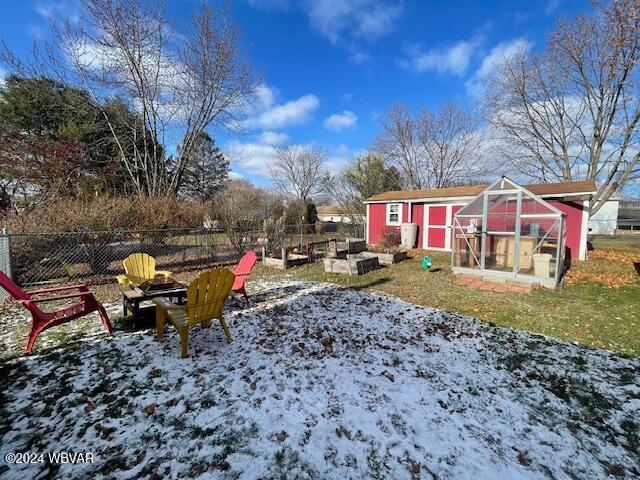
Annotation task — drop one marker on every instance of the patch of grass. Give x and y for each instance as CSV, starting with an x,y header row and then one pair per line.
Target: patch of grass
x,y
588,313
615,242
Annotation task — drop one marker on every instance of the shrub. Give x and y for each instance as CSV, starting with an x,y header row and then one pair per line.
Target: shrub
x,y
108,213
274,231
87,218
390,238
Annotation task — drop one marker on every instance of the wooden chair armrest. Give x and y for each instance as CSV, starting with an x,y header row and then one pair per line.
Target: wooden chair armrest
x,y
58,297
166,273
166,304
57,289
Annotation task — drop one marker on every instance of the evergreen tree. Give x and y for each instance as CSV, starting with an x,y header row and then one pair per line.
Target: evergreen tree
x,y
207,170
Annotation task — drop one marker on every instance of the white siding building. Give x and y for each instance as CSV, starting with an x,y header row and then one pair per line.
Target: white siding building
x,y
605,220
335,214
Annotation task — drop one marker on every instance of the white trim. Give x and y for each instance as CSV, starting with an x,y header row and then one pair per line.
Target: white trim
x,y
560,195
447,233
389,223
425,230
447,227
465,197
424,200
366,226
438,249
584,230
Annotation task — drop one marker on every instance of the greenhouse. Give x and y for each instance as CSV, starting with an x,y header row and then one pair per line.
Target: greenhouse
x,y
509,232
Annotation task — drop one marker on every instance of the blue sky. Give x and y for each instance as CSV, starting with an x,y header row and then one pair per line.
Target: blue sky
x,y
331,68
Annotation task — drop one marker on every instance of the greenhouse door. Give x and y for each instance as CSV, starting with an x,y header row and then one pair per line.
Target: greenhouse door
x,y
501,235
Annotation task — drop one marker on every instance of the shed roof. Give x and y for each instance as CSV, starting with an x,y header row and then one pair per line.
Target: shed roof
x,y
559,189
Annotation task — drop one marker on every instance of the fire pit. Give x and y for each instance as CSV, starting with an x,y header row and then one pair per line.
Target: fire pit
x,y
160,282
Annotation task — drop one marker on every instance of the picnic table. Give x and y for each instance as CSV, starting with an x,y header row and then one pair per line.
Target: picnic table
x,y
133,296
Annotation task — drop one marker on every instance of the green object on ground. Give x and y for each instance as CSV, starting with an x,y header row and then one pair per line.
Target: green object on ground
x,y
426,263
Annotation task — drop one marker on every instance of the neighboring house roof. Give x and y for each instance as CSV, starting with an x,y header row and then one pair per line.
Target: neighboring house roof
x,y
333,210
560,189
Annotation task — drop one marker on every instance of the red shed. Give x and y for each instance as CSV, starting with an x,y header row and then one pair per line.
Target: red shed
x,y
432,211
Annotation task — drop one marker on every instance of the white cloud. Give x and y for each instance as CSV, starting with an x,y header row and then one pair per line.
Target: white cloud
x,y
340,121
476,85
265,96
293,112
58,10
51,9
358,57
3,74
257,155
272,138
254,158
344,22
453,60
359,19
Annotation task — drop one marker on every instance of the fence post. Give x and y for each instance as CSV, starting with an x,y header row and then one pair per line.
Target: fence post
x,y
284,258
5,259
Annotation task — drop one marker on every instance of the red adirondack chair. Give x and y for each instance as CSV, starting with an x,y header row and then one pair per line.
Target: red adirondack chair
x,y
40,320
242,271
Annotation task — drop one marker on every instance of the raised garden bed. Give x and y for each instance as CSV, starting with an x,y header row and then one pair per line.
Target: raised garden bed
x,y
352,245
286,260
352,265
386,258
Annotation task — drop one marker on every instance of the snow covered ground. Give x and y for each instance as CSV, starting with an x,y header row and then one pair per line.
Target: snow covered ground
x,y
324,383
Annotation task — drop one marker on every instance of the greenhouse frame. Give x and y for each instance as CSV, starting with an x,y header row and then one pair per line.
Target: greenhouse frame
x,y
508,232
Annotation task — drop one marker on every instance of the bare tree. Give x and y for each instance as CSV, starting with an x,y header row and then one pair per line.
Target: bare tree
x,y
298,171
432,149
572,112
241,209
398,144
449,138
180,84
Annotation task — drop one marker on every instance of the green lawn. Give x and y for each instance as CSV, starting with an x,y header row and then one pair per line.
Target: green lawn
x,y
589,313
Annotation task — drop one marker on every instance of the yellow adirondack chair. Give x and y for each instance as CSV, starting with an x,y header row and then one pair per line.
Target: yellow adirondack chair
x,y
205,298
139,268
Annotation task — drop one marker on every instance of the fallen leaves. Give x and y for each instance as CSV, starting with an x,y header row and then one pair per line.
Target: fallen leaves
x,y
611,268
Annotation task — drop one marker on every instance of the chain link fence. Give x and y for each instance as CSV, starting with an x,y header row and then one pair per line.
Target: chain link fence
x,y
96,256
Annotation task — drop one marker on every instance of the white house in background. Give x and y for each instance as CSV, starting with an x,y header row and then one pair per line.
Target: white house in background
x,y
336,214
605,220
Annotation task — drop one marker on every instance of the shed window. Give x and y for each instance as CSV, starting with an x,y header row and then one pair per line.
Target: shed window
x,y
394,211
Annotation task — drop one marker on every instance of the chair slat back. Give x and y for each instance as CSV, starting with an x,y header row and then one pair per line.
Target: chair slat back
x,y
246,263
207,293
12,289
141,265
